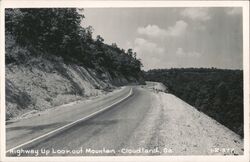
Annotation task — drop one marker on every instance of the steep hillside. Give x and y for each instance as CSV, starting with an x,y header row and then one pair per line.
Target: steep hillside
x,y
40,83
51,60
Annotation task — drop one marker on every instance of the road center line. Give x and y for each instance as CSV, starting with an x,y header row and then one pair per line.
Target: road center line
x,y
72,123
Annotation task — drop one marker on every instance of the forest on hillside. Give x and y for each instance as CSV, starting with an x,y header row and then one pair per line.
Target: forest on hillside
x,y
216,92
59,32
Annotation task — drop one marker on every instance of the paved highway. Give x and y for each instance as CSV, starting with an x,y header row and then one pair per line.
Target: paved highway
x,y
131,121
106,132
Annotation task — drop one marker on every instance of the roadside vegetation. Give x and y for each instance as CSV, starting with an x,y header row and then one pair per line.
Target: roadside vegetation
x,y
216,92
51,59
58,32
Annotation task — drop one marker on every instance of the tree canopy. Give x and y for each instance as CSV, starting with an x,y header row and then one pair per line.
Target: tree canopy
x,y
58,31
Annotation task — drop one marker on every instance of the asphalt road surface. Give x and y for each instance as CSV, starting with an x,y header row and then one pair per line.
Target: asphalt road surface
x,y
104,134
136,120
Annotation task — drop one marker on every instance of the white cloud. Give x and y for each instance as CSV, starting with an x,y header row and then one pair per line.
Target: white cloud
x,y
199,14
154,31
234,11
178,29
150,53
143,45
181,53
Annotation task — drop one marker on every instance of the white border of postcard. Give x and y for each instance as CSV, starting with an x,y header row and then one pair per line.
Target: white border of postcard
x,y
107,4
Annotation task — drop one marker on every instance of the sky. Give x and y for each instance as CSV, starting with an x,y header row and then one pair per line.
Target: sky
x,y
173,37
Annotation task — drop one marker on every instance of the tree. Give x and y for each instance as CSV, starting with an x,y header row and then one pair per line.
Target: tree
x,y
46,28
130,52
114,45
99,39
58,31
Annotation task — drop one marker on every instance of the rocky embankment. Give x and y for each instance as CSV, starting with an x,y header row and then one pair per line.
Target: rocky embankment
x,y
41,83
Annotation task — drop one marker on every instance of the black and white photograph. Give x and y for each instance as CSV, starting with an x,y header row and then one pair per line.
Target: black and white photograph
x,y
133,81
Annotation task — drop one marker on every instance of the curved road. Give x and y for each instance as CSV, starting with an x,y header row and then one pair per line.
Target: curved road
x,y
130,121
106,133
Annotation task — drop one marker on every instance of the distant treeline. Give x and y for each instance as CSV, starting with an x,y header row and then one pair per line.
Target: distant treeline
x,y
59,31
216,92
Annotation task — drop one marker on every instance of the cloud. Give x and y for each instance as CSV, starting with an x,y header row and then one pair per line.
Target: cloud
x,y
154,31
150,53
181,53
143,45
178,29
151,31
234,11
199,14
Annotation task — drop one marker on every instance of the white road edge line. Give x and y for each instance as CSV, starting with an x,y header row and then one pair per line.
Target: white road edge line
x,y
74,122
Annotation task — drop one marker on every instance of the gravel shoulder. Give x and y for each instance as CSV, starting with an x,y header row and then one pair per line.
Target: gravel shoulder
x,y
176,128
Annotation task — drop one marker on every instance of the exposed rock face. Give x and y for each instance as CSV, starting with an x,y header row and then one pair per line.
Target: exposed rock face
x,y
40,83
